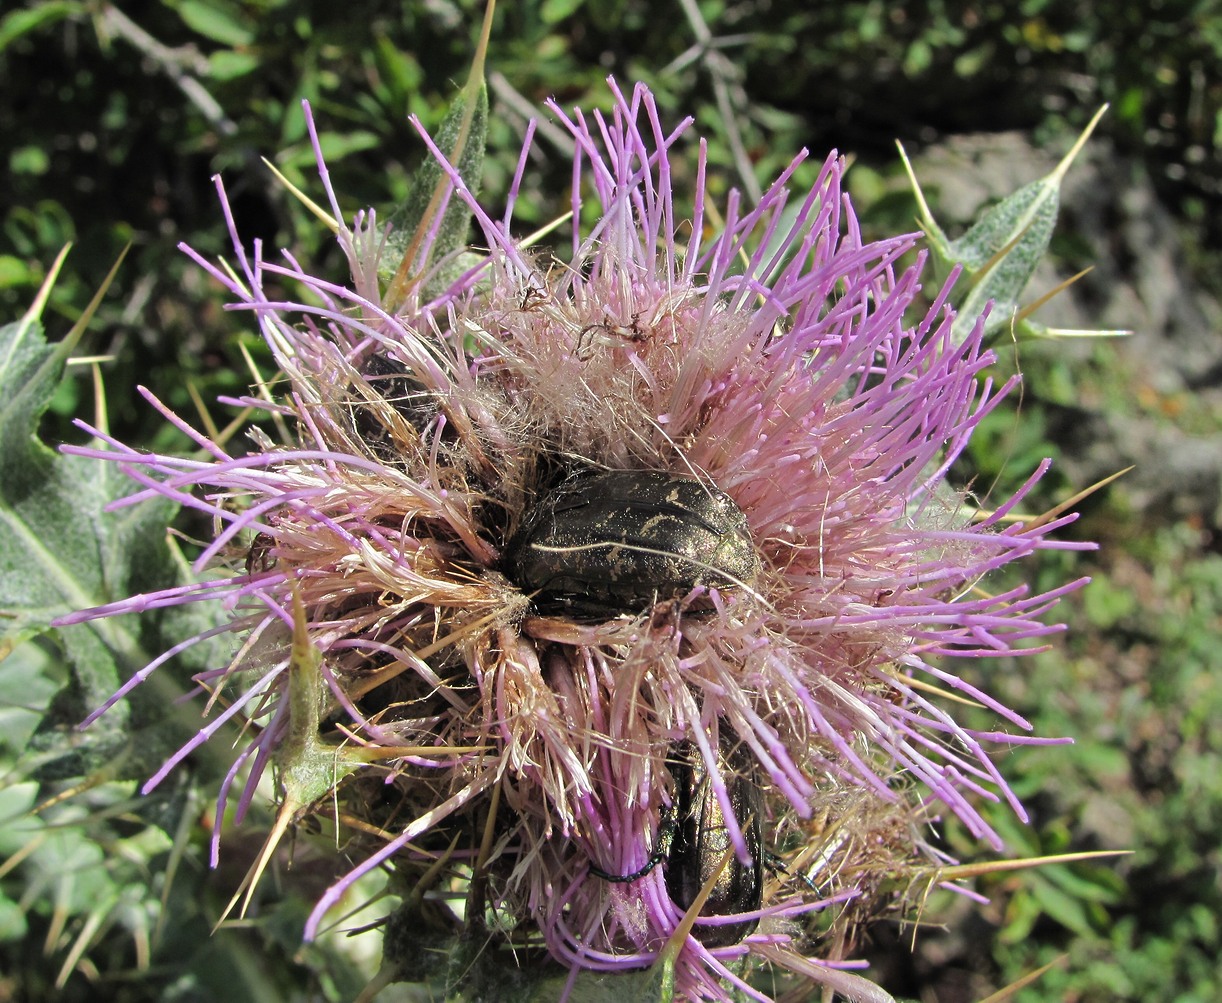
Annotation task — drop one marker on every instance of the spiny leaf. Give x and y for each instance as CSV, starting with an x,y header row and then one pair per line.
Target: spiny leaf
x,y
462,136
961,871
1034,329
55,553
309,769
411,221
61,551
1002,249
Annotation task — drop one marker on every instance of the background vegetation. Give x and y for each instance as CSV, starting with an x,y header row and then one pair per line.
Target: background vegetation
x,y
114,117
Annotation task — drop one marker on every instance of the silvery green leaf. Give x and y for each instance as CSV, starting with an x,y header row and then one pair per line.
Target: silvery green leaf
x,y
462,137
62,551
1003,248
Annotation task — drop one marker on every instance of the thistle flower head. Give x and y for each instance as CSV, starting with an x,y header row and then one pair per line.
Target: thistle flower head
x,y
602,553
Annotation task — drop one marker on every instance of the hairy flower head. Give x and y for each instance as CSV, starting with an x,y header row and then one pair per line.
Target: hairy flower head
x,y
478,521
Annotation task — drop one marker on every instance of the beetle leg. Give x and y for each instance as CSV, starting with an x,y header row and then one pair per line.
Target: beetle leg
x,y
666,832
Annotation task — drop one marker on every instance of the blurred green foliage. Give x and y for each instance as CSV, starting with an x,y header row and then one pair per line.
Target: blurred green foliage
x,y
113,118
1135,684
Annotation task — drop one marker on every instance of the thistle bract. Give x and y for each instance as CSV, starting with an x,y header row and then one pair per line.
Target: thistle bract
x,y
776,359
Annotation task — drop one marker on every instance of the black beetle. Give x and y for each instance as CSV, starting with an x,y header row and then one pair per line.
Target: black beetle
x,y
395,383
625,538
693,840
701,839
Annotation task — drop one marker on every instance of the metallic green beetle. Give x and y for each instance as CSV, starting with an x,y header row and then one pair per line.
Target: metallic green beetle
x,y
693,840
399,388
701,840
